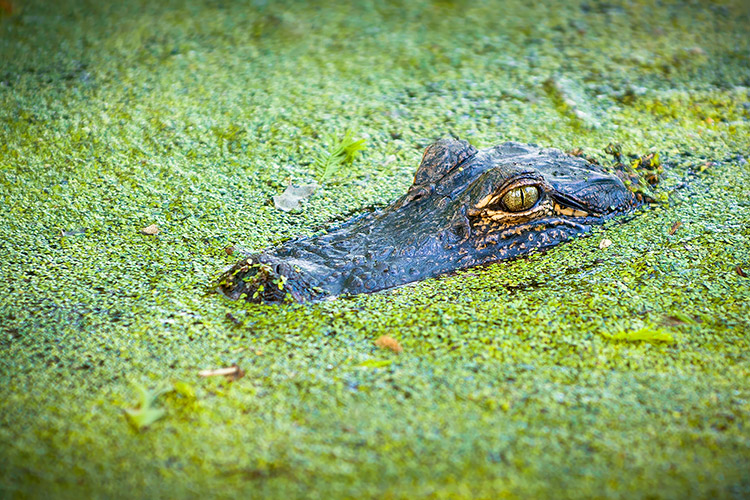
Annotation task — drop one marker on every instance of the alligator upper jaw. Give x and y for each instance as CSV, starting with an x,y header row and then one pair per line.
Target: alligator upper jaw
x,y
276,277
292,274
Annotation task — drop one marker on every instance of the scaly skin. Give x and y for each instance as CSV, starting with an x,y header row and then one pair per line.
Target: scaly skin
x,y
465,208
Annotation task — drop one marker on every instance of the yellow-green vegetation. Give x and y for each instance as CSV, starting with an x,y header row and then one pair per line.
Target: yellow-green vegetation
x,y
612,372
146,413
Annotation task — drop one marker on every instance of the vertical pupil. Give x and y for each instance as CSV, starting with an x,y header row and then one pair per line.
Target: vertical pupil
x,y
530,196
520,198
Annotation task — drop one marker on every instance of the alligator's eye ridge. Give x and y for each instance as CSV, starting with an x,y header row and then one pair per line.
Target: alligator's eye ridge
x,y
520,198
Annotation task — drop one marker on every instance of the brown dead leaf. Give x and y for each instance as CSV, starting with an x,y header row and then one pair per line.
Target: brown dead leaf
x,y
673,321
679,318
153,229
388,342
675,227
7,8
740,271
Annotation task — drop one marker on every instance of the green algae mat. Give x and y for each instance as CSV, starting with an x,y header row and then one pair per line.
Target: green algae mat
x,y
141,141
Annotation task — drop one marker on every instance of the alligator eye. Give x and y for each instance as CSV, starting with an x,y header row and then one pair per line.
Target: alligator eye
x,y
520,198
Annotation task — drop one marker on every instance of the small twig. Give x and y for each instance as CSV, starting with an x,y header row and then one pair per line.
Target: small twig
x,y
233,372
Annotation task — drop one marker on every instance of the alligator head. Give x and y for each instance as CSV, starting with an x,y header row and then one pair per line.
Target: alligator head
x,y
465,208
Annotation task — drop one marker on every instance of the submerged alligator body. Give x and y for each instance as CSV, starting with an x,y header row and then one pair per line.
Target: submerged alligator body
x,y
466,207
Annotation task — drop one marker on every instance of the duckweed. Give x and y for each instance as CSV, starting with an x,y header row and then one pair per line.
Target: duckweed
x,y
512,380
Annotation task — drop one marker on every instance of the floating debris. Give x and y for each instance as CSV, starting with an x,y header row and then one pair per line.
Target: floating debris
x,y
145,413
152,230
645,334
388,342
232,373
292,195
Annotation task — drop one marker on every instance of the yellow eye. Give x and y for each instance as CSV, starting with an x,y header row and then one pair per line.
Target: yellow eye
x,y
520,198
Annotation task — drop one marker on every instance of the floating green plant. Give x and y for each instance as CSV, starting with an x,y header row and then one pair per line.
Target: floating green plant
x,y
332,163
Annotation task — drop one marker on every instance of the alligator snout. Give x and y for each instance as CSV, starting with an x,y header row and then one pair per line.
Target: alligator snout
x,y
264,278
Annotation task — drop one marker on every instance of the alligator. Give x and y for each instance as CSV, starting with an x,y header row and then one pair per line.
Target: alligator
x,y
465,208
